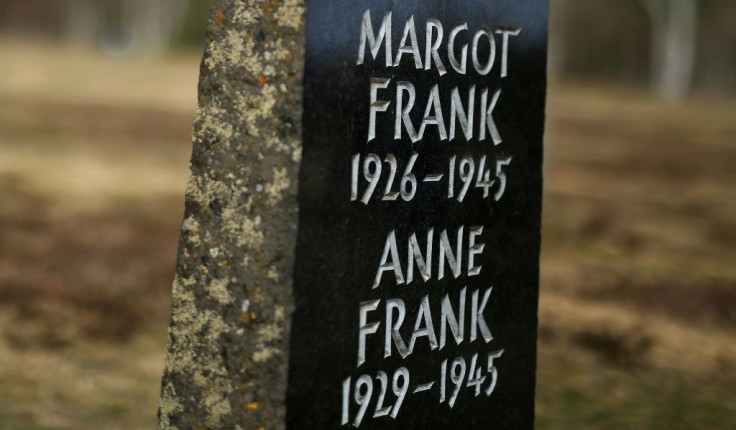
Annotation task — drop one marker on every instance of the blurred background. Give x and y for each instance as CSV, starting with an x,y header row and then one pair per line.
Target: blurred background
x,y
638,288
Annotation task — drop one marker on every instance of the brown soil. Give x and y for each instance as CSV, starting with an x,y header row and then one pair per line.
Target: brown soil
x,y
638,303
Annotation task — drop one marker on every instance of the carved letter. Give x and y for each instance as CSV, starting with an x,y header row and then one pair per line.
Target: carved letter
x,y
392,328
365,328
415,255
424,316
483,70
433,46
460,66
474,250
458,112
506,32
433,103
457,327
393,265
486,117
477,320
402,112
374,42
376,105
410,33
455,259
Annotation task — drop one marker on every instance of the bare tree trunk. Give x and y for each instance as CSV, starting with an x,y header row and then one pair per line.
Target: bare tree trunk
x,y
679,52
673,50
559,16
154,23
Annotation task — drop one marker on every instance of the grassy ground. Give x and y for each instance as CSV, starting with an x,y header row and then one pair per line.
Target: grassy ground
x,y
638,303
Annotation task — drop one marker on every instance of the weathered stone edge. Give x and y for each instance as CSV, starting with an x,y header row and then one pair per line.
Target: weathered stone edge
x,y
227,355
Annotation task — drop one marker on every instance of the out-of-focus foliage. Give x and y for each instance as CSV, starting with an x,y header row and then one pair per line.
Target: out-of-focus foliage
x,y
192,31
120,27
647,41
673,45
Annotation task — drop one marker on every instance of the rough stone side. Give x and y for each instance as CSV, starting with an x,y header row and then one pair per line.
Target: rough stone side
x,y
226,365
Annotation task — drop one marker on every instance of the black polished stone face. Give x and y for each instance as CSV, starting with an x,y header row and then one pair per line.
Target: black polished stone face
x,y
416,272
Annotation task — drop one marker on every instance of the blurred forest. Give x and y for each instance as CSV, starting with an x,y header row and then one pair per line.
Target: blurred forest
x,y
637,312
673,46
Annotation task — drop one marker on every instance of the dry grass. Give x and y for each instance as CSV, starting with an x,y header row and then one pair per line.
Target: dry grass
x,y
102,274
93,167
638,297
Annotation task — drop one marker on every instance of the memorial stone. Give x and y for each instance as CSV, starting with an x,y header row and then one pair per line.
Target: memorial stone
x,y
362,228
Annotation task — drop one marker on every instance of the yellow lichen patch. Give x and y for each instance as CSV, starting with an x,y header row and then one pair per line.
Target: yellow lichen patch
x,y
296,155
269,333
257,292
192,328
168,405
265,354
229,52
248,316
254,108
191,226
208,119
252,406
280,183
218,406
245,231
246,14
273,331
218,291
290,14
273,274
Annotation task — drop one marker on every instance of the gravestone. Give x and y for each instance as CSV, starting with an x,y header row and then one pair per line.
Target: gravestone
x,y
362,228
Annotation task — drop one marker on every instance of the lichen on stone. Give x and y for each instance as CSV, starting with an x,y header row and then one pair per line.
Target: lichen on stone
x,y
239,229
